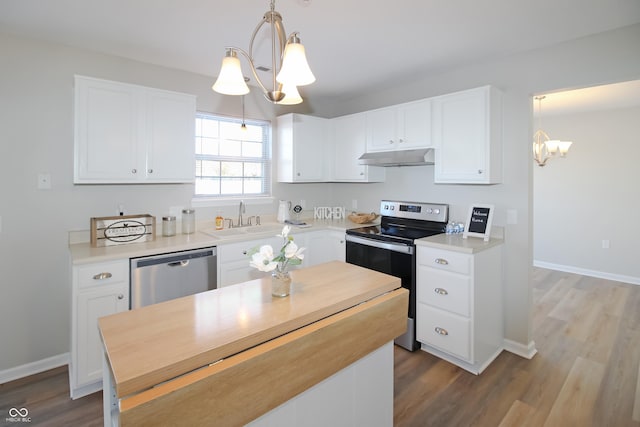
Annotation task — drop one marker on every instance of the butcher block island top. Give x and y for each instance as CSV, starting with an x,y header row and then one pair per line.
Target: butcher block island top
x,y
188,336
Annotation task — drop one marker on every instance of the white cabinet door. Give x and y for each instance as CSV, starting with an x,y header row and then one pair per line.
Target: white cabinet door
x,y
349,143
381,129
170,155
400,127
302,147
467,133
132,134
324,246
106,131
92,305
414,125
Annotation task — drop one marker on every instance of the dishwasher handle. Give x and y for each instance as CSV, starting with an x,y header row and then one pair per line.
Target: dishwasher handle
x,y
182,263
173,259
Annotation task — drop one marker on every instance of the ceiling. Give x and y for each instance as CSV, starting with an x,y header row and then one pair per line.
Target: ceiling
x,y
352,46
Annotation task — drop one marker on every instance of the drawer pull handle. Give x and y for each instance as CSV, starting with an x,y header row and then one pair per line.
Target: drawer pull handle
x,y
441,291
102,276
442,261
441,331
120,296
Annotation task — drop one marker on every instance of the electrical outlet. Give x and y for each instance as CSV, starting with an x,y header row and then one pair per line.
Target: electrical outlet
x,y
605,244
44,181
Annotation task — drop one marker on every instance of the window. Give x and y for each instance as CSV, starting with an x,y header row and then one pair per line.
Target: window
x,y
231,161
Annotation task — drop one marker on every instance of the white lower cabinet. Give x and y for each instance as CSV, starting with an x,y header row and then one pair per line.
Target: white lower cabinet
x,y
324,246
98,290
459,305
233,261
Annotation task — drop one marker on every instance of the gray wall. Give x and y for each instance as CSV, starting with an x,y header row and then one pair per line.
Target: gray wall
x,y
36,134
591,195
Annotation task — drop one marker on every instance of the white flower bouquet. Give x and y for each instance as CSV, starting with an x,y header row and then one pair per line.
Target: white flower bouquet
x,y
264,258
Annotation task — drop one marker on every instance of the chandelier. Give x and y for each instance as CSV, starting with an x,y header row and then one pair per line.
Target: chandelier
x,y
545,148
289,67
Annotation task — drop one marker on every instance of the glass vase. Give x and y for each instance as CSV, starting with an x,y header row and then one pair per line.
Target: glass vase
x,y
280,284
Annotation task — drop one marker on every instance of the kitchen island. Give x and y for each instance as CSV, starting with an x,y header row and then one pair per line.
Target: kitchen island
x,y
231,355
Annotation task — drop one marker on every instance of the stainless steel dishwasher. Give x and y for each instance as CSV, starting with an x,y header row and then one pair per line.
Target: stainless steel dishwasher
x,y
163,277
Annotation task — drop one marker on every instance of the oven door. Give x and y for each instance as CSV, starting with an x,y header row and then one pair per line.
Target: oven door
x,y
392,258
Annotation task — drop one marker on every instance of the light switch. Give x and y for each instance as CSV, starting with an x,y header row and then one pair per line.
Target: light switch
x,y
44,181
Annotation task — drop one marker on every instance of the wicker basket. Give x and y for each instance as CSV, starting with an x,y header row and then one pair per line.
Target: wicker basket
x,y
362,218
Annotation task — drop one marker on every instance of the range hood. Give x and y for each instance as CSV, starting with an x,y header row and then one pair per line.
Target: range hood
x,y
423,156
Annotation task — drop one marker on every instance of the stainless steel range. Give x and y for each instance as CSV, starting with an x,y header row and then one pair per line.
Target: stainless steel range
x,y
390,248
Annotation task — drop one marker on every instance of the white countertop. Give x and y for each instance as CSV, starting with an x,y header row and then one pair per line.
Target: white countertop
x,y
455,242
84,253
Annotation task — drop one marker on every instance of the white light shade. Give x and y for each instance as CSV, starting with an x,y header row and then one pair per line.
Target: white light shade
x,y
230,80
291,96
563,146
552,145
295,69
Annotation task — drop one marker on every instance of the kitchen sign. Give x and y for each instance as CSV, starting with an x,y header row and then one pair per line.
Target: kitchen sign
x,y
479,223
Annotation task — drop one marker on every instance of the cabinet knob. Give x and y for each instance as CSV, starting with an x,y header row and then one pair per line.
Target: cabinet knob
x,y
102,276
441,331
480,171
150,171
298,174
441,261
361,173
401,140
134,171
244,252
120,296
441,291
391,141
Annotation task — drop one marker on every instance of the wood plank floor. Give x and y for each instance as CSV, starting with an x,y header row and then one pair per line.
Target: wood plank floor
x,y
586,372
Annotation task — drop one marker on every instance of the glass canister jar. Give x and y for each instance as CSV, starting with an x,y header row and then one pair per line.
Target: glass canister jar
x,y
188,221
168,226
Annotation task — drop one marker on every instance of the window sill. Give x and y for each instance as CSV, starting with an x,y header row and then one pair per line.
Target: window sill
x,y
214,202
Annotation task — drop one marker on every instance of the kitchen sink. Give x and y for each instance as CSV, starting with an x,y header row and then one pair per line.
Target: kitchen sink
x,y
264,229
252,229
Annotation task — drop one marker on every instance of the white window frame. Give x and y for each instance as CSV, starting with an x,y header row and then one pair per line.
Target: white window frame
x,y
266,159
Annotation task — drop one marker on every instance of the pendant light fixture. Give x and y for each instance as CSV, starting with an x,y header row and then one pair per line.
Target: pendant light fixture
x,y
289,67
545,148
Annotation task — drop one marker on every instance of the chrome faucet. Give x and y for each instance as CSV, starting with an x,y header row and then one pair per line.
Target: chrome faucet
x,y
241,210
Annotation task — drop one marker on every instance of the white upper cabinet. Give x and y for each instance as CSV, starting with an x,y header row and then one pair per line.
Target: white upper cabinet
x,y
302,146
132,134
348,137
467,135
400,127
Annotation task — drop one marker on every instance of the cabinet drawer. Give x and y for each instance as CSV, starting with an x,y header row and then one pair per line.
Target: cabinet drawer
x,y
102,274
446,331
448,291
444,260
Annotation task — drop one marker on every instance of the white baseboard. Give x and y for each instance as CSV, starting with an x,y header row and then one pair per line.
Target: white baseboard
x,y
526,351
32,368
586,272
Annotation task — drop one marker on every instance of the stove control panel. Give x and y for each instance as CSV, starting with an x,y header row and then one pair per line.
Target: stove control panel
x,y
415,210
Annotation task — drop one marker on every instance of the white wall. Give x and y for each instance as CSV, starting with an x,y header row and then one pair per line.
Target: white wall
x,y
36,135
591,195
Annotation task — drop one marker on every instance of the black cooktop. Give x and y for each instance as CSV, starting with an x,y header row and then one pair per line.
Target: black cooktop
x,y
399,230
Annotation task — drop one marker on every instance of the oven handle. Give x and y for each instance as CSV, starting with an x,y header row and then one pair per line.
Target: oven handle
x,y
396,247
